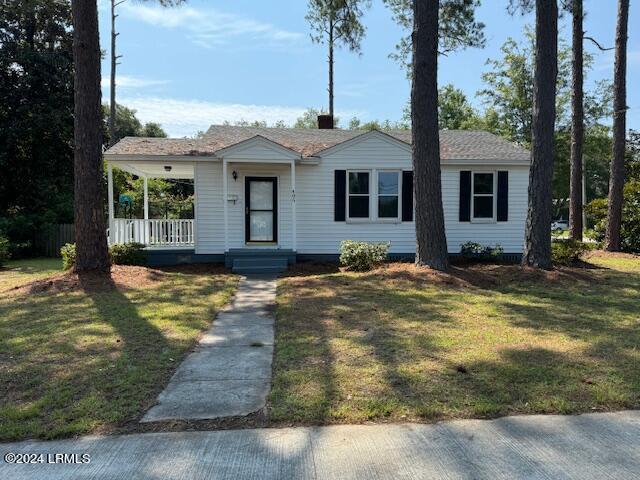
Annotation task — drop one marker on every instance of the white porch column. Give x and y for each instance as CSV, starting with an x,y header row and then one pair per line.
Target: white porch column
x,y
225,197
110,200
293,205
145,224
146,197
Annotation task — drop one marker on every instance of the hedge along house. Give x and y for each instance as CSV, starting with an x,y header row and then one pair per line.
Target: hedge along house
x,y
266,197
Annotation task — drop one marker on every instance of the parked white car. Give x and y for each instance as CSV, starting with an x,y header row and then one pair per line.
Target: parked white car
x,y
559,225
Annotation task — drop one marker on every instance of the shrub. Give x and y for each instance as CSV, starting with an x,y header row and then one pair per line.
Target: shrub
x,y
362,256
4,250
68,253
477,252
128,254
568,252
630,230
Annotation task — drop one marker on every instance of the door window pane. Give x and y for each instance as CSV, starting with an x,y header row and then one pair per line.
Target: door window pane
x,y
388,206
261,226
359,182
261,195
359,206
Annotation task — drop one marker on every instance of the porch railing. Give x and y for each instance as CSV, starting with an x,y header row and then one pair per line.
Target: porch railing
x,y
154,232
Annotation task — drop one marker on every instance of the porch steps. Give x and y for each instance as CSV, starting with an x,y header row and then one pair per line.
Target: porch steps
x,y
259,265
252,260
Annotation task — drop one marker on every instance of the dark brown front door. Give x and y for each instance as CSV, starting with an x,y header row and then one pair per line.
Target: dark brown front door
x,y
261,209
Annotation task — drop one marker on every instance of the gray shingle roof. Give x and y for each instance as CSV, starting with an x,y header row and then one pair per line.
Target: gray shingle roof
x,y
454,144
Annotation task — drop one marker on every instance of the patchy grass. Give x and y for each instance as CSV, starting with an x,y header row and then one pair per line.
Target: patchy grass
x,y
19,272
400,344
80,355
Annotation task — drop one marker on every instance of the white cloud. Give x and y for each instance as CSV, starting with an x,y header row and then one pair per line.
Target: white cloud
x,y
181,118
125,81
211,28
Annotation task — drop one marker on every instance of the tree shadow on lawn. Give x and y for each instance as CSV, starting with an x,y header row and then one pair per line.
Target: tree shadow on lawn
x,y
89,359
416,374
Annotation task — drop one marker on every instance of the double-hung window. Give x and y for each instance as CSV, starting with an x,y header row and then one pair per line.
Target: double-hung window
x,y
359,189
484,196
388,194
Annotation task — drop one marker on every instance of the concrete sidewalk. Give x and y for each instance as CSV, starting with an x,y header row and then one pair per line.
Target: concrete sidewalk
x,y
229,373
594,446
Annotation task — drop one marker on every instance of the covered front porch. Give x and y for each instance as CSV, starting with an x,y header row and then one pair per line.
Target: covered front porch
x,y
154,233
244,210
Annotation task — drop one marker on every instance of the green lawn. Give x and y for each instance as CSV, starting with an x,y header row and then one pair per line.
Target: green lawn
x,y
398,344
18,272
95,357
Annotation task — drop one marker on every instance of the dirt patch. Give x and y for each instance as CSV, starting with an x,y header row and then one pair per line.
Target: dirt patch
x,y
483,276
604,254
301,269
121,277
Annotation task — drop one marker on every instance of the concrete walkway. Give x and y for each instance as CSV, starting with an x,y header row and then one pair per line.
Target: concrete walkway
x,y
595,446
229,373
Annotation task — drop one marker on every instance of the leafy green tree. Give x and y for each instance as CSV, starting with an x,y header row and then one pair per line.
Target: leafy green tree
x,y
509,91
128,125
36,118
337,22
454,110
457,27
152,129
309,119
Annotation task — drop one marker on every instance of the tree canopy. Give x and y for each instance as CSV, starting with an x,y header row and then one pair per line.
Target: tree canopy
x,y
36,116
458,27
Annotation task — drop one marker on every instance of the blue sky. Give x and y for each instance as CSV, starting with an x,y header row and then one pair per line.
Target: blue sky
x,y
211,61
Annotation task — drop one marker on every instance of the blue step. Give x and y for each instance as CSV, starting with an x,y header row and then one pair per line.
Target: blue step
x,y
259,265
237,253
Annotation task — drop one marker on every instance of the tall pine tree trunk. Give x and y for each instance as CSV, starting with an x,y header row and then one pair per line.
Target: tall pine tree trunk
x,y
537,250
577,125
331,40
112,91
90,228
616,178
431,243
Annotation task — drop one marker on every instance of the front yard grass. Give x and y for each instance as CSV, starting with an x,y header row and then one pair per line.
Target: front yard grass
x,y
398,344
19,272
90,357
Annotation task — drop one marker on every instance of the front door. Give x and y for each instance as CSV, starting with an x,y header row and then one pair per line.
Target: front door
x,y
261,213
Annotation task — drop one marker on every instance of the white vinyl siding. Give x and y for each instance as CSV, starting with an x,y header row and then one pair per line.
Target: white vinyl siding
x,y
318,233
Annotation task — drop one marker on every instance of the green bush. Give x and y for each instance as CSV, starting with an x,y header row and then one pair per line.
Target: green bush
x,y
4,250
68,254
362,256
121,254
568,252
477,252
128,254
630,229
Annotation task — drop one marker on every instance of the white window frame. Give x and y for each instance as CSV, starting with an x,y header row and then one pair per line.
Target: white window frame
x,y
398,218
492,219
370,195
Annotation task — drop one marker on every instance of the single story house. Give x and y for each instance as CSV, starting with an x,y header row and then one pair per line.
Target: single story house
x,y
265,197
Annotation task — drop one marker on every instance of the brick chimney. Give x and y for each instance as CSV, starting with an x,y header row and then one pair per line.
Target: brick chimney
x,y
325,122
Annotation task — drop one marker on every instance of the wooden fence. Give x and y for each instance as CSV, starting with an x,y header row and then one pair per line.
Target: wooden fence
x,y
50,239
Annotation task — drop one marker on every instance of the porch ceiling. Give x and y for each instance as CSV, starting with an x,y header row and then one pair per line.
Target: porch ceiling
x,y
156,169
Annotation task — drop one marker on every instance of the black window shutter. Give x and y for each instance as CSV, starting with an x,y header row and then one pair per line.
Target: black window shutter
x,y
407,196
503,196
465,196
340,194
